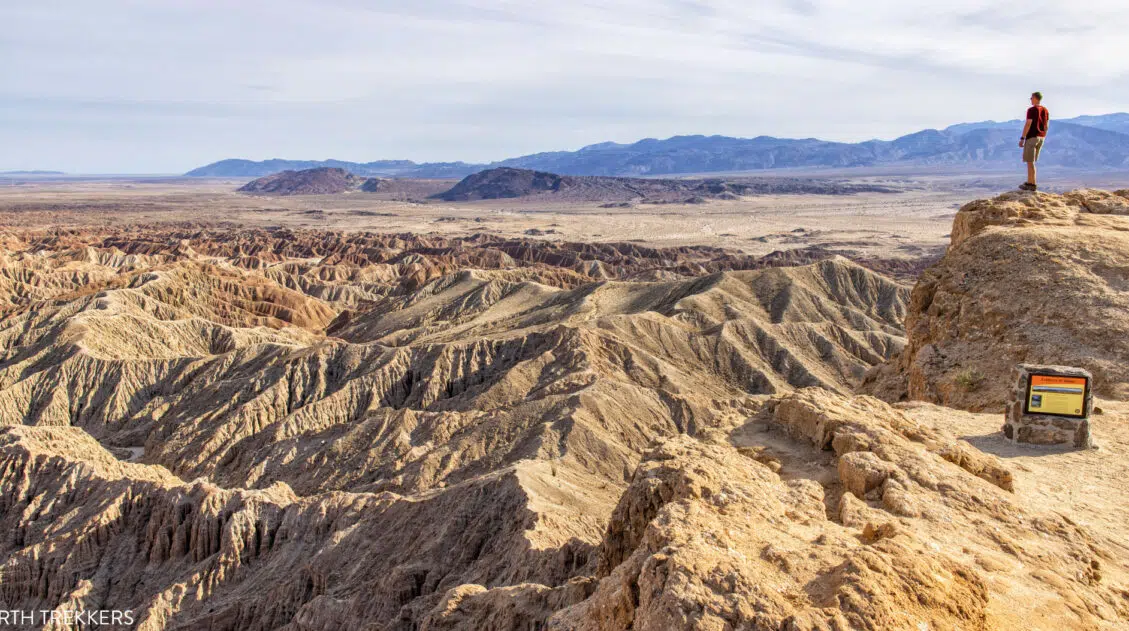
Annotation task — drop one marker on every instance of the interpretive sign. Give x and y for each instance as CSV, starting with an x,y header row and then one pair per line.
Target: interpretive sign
x,y
1049,405
1057,395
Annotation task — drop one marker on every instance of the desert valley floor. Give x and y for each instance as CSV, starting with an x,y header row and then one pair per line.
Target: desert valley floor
x,y
781,412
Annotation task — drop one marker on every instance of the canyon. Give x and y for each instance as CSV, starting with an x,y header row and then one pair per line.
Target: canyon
x,y
250,425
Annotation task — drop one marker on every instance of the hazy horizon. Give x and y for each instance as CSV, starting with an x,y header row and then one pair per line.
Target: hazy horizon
x,y
128,88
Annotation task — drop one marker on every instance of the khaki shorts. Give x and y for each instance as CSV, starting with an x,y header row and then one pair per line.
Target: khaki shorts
x,y
1032,147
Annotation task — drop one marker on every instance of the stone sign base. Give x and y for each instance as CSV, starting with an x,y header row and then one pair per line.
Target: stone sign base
x,y
1046,429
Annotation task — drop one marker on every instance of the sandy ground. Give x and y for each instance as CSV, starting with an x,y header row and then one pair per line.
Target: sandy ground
x,y
1087,487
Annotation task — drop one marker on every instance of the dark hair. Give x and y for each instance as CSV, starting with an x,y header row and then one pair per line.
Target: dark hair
x,y
1038,95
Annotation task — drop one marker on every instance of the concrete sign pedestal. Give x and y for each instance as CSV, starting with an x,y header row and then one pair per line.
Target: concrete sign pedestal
x,y
1050,405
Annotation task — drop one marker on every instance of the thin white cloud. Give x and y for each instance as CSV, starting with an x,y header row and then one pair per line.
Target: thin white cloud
x,y
164,86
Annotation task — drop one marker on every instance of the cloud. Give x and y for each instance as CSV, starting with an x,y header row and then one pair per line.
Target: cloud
x,y
134,86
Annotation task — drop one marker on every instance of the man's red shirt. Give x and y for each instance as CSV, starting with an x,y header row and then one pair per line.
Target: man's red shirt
x,y
1040,118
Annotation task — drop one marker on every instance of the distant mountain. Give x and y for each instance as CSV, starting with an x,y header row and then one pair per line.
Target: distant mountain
x,y
508,182
1109,122
379,168
1089,142
317,181
505,183
334,180
1071,145
32,173
696,154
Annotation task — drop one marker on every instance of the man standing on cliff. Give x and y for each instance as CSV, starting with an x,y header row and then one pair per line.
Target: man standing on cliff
x,y
1034,131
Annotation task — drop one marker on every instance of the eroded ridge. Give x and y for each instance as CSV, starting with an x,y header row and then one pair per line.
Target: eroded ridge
x,y
310,430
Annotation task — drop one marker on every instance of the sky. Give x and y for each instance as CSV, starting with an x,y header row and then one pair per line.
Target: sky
x,y
163,86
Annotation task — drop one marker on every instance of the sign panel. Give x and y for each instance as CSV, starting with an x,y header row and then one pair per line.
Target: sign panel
x,y
1060,396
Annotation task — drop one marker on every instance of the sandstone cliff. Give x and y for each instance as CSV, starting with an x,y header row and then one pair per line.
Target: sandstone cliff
x,y
1029,277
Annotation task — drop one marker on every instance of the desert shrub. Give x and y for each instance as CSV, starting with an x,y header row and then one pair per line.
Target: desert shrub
x,y
969,379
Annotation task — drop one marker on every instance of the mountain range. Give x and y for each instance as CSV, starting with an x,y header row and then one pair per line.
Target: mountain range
x,y
1085,142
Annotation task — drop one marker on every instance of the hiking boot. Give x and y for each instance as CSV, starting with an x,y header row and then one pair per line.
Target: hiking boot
x,y
1027,186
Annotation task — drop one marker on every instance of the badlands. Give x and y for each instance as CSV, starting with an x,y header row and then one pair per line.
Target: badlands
x,y
226,411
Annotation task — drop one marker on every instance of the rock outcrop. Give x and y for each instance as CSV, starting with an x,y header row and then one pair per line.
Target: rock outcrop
x,y
318,181
1029,278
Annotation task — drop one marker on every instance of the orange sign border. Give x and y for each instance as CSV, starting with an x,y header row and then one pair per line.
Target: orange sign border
x,y
1031,382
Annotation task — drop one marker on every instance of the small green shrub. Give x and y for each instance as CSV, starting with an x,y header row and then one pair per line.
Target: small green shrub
x,y
969,379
